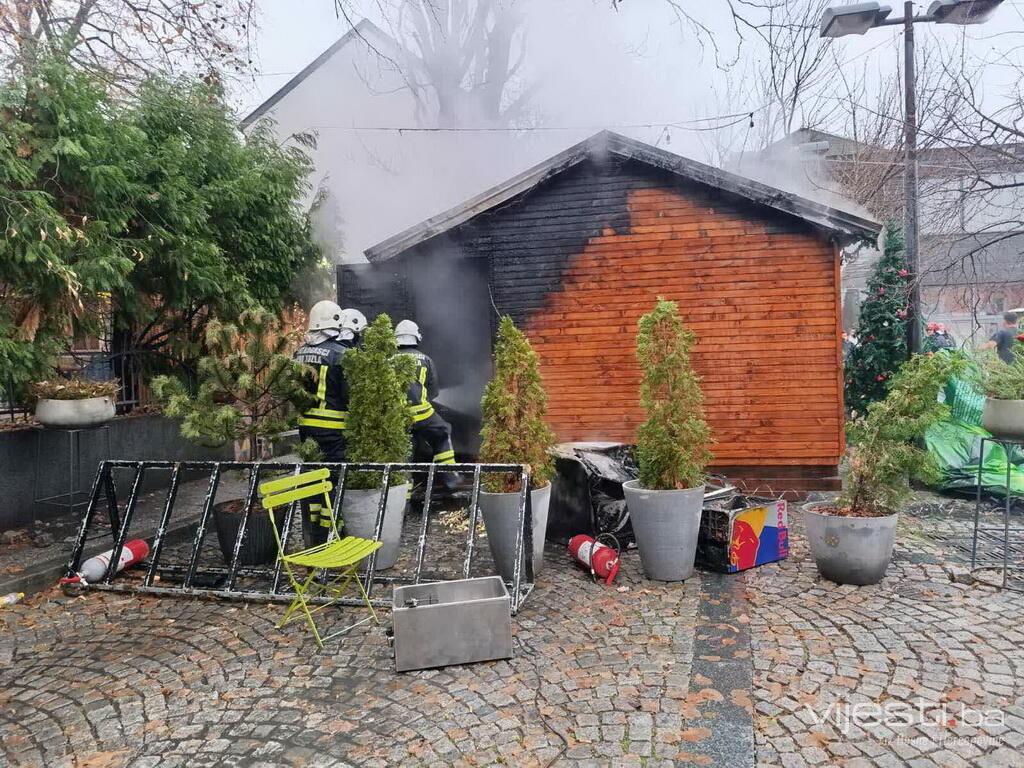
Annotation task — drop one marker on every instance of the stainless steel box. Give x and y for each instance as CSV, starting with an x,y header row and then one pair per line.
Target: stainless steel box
x,y
451,622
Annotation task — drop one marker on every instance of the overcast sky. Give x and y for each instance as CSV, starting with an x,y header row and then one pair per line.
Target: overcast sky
x,y
599,67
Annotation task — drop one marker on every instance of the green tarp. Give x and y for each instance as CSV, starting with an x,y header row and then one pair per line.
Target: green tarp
x,y
956,445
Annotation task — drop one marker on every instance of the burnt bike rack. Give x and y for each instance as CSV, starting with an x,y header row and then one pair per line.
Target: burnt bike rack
x,y
277,589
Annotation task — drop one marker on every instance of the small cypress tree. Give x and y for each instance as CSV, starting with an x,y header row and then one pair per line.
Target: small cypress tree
x,y
514,407
249,387
673,444
882,328
883,440
377,428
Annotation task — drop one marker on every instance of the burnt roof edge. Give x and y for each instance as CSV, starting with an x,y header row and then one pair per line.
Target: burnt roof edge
x,y
843,226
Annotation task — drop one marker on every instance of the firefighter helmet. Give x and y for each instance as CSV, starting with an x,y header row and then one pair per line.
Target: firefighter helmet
x,y
353,320
407,334
325,316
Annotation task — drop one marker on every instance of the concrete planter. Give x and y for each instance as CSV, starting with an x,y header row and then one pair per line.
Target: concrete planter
x,y
72,414
359,512
1004,418
850,550
666,525
501,517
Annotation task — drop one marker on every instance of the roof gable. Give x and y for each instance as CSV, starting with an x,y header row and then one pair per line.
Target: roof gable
x,y
365,30
841,224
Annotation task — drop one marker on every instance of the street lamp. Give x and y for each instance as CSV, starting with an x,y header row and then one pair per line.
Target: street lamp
x,y
962,11
855,19
858,18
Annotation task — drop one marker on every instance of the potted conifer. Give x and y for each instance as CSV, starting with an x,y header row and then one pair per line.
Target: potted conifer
x,y
672,448
74,403
852,538
1003,384
249,389
377,431
514,432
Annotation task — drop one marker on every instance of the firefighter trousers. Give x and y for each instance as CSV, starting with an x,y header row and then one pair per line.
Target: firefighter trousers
x,y
432,441
316,521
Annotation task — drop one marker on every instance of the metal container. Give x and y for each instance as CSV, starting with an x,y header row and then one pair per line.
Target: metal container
x,y
451,622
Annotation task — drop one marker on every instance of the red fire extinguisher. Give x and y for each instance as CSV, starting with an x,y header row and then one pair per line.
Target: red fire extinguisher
x,y
93,569
600,559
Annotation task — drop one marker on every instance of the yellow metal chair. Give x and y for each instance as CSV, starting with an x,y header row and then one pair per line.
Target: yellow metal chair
x,y
338,554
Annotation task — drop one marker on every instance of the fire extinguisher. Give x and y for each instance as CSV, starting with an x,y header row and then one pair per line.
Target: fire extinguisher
x,y
601,559
93,569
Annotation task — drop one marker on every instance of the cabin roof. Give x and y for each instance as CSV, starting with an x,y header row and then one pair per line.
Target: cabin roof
x,y
837,223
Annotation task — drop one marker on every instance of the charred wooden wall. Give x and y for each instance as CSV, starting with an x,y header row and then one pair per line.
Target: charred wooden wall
x,y
577,260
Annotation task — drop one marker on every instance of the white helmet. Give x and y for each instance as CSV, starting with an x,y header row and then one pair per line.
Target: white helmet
x,y
407,334
353,320
325,316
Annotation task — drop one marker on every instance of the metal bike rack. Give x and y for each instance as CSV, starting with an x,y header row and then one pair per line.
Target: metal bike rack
x,y
104,488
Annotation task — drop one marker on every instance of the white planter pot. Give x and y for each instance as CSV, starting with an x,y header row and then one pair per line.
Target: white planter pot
x,y
71,414
359,513
850,550
666,525
1004,418
501,520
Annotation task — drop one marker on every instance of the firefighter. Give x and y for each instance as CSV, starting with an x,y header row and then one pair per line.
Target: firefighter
x,y
332,332
431,435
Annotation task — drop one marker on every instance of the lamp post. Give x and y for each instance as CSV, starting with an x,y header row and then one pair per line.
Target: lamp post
x,y
858,18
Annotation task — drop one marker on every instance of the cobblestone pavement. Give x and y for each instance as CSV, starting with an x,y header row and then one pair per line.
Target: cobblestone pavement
x,y
654,675
918,670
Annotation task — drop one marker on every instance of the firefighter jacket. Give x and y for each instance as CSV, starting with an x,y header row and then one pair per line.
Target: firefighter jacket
x,y
423,387
331,409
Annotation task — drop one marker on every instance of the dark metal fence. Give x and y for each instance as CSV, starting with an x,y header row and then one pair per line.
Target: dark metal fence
x,y
190,577
92,365
12,409
104,366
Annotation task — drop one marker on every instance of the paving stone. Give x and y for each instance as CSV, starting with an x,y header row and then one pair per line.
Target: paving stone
x,y
600,677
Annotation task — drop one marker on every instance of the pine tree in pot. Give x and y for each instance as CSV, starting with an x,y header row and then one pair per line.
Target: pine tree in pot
x,y
673,448
852,538
1003,385
249,389
377,432
514,432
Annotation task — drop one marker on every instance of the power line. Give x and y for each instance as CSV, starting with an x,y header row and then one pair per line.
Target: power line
x,y
692,124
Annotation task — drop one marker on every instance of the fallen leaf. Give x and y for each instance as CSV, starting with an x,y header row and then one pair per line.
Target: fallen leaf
x,y
695,734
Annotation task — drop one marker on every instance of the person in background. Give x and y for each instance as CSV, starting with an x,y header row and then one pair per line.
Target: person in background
x,y
1002,341
848,345
938,338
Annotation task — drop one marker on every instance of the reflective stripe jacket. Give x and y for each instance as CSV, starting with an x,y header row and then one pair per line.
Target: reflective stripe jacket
x,y
423,388
331,408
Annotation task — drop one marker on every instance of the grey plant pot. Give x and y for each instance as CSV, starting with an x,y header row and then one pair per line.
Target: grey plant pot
x,y
359,512
850,550
666,525
1004,418
501,517
70,414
